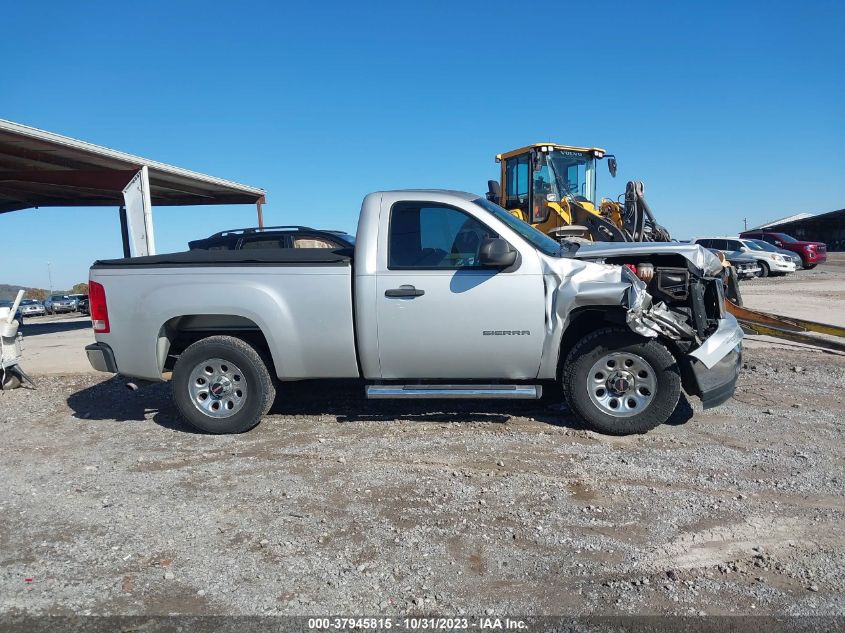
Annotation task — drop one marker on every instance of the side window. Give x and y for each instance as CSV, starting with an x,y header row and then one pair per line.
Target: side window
x,y
426,235
706,243
258,243
312,241
518,176
734,245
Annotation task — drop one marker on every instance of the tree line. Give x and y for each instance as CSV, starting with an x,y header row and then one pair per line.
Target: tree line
x,y
40,294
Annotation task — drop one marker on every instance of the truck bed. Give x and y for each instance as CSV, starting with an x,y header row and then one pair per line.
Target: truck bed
x,y
299,299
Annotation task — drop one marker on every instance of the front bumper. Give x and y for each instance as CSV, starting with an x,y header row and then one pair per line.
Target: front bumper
x,y
748,271
782,267
714,366
101,357
718,383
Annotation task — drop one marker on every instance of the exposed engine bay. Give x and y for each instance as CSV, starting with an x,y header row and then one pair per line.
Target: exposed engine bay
x,y
676,290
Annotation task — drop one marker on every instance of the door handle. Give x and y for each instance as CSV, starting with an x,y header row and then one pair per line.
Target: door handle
x,y
404,291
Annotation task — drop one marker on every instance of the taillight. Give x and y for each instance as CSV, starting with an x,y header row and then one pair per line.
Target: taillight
x,y
97,306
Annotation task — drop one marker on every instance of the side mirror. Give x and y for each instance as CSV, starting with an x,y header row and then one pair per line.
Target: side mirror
x,y
496,253
494,192
744,249
611,165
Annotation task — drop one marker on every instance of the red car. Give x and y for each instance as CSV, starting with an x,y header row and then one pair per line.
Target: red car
x,y
812,253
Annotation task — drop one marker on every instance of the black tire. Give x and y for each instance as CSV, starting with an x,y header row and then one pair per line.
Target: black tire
x,y
809,266
589,350
258,397
765,271
10,380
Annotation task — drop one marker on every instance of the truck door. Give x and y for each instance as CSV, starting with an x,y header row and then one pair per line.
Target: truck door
x,y
441,314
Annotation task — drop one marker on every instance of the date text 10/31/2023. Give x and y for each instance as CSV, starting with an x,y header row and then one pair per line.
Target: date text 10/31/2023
x,y
417,623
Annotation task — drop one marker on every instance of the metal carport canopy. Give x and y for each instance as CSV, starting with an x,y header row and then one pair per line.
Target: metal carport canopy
x,y
43,169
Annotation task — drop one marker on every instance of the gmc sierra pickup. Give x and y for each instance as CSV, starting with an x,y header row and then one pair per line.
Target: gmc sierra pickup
x,y
445,295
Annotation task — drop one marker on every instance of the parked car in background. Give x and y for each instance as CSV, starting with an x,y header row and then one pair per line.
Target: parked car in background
x,y
273,237
811,253
83,305
768,262
76,299
746,266
59,304
4,303
32,307
795,258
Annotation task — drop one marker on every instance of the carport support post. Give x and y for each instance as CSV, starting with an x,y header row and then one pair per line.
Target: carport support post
x,y
258,204
124,231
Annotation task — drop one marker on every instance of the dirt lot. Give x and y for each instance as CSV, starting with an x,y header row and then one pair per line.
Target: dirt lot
x,y
339,505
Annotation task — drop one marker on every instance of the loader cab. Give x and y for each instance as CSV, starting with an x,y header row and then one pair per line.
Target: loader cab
x,y
538,180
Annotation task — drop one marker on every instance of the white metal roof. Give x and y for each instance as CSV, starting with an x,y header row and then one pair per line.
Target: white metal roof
x,y
41,168
791,218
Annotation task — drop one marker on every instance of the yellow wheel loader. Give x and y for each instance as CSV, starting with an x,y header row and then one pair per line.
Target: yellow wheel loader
x,y
553,188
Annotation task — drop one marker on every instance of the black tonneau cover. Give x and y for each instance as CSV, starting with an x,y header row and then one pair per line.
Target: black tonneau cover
x,y
250,257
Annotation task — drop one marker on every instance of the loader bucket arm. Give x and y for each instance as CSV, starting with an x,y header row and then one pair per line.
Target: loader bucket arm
x,y
788,328
638,219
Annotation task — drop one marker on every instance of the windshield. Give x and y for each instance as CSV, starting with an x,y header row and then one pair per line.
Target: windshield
x,y
574,173
783,237
764,246
540,241
754,246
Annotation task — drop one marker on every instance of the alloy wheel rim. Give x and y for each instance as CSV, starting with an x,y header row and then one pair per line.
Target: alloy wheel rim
x,y
622,384
217,388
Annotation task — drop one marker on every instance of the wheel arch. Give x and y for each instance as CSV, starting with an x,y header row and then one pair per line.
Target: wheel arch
x,y
584,320
178,332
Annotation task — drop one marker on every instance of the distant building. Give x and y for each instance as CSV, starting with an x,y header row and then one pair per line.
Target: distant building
x,y
824,227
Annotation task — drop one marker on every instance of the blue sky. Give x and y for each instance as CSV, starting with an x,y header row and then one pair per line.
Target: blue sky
x,y
725,110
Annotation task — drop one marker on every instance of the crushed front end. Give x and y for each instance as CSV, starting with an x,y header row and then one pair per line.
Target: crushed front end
x,y
677,293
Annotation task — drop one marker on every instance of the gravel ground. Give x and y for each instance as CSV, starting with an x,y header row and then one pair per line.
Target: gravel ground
x,y
334,504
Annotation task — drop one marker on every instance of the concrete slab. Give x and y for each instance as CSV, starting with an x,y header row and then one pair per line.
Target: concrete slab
x,y
55,345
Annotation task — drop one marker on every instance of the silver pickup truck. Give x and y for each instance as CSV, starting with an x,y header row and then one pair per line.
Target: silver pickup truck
x,y
445,295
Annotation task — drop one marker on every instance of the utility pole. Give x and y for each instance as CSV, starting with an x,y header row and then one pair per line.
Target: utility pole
x,y
745,223
50,277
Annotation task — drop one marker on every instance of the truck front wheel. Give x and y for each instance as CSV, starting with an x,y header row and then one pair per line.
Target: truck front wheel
x,y
221,385
621,383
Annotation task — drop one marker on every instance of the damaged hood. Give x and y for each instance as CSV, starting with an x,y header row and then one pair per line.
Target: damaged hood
x,y
700,257
582,284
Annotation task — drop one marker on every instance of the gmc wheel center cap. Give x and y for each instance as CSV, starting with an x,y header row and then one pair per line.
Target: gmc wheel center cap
x,y
220,386
620,382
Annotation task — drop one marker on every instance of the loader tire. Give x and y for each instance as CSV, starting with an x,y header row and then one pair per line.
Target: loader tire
x,y
621,383
221,384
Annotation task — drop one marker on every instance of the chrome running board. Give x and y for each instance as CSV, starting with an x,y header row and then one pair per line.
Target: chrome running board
x,y
509,392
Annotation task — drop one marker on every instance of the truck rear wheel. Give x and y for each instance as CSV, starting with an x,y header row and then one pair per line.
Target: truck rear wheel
x,y
621,383
221,385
